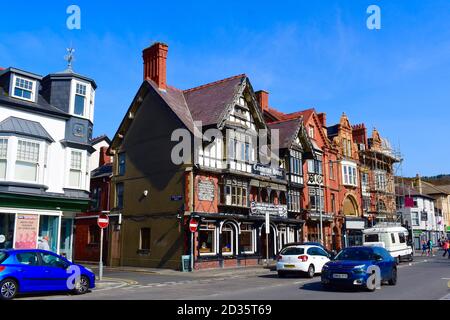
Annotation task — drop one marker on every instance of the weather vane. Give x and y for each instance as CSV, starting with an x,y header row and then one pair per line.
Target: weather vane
x,y
69,57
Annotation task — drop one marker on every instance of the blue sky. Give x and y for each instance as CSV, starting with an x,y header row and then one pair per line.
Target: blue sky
x,y
305,53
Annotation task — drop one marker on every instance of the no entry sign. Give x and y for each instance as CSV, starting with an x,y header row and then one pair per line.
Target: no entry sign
x,y
193,225
103,221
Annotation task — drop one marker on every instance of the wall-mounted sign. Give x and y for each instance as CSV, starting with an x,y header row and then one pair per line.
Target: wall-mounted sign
x,y
26,231
176,198
205,190
267,171
278,210
355,224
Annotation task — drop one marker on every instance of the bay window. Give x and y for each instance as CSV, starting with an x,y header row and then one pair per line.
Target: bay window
x,y
294,201
234,193
27,161
349,174
316,199
80,99
3,157
75,169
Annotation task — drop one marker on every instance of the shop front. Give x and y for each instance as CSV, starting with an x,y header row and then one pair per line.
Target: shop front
x,y
353,231
36,229
224,240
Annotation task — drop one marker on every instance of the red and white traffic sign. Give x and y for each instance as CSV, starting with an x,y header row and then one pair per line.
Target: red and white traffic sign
x,y
193,225
103,221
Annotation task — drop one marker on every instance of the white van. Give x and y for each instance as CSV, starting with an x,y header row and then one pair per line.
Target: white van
x,y
392,238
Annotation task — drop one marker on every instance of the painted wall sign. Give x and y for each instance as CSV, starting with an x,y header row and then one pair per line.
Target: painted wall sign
x,y
278,210
205,190
354,224
267,171
26,231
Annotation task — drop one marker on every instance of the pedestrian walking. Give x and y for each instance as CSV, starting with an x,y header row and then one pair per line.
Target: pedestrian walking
x,y
424,247
430,247
445,246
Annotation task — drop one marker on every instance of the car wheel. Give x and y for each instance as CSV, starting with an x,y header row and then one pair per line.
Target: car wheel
x,y
281,274
8,289
82,285
393,280
311,271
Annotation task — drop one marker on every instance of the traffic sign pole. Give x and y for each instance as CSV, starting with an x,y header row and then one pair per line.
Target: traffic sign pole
x,y
102,222
193,225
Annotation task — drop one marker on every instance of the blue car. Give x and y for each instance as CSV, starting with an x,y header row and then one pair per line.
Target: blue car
x,y
353,266
30,271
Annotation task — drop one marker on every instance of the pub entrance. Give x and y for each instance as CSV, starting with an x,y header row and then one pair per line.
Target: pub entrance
x,y
272,243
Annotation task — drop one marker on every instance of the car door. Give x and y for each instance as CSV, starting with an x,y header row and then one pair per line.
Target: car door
x,y
383,263
313,254
55,268
29,271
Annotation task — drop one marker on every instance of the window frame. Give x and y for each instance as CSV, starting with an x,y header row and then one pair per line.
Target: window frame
x,y
149,239
14,85
38,163
214,237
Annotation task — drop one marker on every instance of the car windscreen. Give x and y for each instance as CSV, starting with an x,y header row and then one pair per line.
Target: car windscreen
x,y
3,256
360,254
292,251
371,238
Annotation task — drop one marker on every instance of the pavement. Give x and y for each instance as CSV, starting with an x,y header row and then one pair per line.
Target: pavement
x,y
424,278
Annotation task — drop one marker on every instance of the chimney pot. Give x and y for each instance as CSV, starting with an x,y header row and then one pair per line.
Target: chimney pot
x,y
263,99
155,58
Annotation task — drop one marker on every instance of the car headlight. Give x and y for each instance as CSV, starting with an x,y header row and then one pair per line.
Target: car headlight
x,y
325,266
359,269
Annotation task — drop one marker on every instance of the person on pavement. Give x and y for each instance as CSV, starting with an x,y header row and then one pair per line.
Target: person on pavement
x,y
43,245
445,247
424,247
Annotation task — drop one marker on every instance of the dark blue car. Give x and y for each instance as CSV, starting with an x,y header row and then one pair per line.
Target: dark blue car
x,y
353,266
28,271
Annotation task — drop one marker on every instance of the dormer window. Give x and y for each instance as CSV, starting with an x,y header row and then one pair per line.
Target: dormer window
x,y
80,99
23,88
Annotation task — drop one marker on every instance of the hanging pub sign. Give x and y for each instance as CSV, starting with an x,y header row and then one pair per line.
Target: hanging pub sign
x,y
205,190
267,171
260,209
424,216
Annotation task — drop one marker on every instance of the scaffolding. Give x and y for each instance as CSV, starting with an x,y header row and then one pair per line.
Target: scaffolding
x,y
382,164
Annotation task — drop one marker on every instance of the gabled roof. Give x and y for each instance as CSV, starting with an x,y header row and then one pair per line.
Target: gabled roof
x,y
409,191
207,103
288,131
24,127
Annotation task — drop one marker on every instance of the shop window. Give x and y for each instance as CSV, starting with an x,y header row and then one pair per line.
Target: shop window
x,y
48,232
3,157
7,223
145,239
226,240
246,239
207,239
94,234
27,162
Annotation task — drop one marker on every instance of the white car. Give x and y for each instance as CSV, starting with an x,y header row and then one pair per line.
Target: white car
x,y
301,258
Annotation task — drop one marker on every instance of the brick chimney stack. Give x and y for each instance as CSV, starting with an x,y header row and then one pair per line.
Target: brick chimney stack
x,y
155,58
263,99
103,158
322,118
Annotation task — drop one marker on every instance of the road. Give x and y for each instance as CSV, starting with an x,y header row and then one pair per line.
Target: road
x,y
425,278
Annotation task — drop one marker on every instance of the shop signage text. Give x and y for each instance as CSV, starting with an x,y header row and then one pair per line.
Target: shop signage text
x,y
278,210
267,171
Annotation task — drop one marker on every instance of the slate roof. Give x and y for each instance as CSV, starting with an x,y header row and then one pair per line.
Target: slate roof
x,y
100,138
102,171
408,190
208,102
333,130
288,130
429,188
24,127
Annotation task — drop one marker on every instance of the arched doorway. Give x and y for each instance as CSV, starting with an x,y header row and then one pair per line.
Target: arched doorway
x,y
272,242
350,206
228,242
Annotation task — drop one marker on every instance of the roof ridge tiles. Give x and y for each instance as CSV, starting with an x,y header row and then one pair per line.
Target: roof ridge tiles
x,y
214,83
